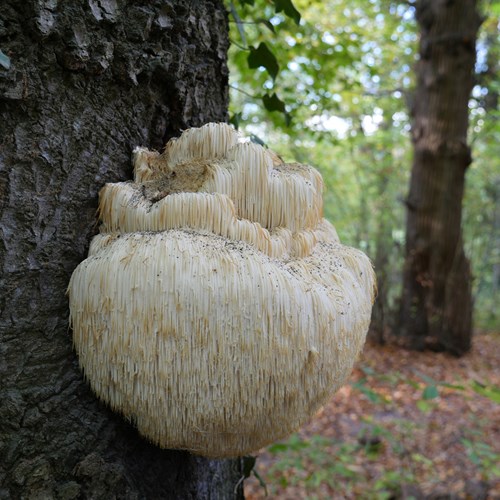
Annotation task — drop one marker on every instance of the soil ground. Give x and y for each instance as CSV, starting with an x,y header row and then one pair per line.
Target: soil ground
x,y
408,424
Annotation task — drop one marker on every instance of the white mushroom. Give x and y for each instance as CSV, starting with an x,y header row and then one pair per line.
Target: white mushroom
x,y
217,309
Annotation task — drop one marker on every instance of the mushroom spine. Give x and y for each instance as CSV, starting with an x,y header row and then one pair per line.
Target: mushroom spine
x,y
217,308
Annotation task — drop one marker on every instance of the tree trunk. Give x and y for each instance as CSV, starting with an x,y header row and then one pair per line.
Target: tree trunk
x,y
379,323
87,82
436,302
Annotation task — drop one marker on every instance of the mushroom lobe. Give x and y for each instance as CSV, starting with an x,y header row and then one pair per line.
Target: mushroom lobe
x,y
217,309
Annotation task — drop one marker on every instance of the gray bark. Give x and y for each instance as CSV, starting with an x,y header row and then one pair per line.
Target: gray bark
x,y
88,81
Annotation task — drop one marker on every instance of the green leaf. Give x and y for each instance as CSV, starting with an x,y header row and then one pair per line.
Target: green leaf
x,y
277,448
426,378
294,443
268,24
456,387
413,384
424,406
262,56
235,120
288,8
491,392
417,457
371,395
430,392
274,103
4,60
248,2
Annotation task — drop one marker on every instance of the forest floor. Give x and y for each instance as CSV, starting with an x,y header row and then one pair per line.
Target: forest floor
x,y
419,425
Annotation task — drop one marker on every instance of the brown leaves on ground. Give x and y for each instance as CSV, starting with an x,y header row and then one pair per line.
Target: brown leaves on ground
x,y
408,425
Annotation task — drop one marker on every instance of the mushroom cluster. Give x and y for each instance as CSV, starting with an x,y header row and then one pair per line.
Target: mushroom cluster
x,y
217,309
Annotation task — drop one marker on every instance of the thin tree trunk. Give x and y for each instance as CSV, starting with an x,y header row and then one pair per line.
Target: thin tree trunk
x,y
436,302
87,82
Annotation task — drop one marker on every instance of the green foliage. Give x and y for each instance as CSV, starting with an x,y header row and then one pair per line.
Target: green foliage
x,y
288,8
426,403
482,196
430,392
329,64
369,393
333,88
338,102
491,392
274,103
482,456
315,462
262,56
389,484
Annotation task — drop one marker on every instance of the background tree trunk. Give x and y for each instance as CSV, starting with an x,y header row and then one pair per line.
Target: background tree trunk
x,y
436,302
88,81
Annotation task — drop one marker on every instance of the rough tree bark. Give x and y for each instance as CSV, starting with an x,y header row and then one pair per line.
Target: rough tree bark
x,y
436,302
379,320
88,81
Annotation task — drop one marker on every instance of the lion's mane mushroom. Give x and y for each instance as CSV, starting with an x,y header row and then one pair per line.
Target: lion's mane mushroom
x,y
217,309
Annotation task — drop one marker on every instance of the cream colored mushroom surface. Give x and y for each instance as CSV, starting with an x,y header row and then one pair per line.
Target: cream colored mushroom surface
x,y
217,309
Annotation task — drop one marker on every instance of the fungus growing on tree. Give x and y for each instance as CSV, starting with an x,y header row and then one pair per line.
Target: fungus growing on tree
x,y
217,309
